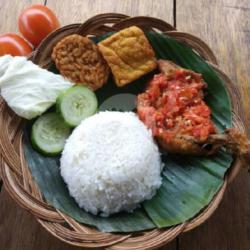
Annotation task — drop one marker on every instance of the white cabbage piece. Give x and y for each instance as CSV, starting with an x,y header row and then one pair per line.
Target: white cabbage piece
x,y
28,89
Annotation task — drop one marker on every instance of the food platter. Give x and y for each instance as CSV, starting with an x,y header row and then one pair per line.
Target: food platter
x,y
22,187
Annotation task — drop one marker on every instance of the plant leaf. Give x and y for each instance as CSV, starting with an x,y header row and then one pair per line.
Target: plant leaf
x,y
46,173
189,183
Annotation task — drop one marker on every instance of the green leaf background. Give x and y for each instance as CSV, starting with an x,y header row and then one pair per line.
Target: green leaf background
x,y
189,183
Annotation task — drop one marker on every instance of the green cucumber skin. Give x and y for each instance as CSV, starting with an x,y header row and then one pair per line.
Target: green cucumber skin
x,y
38,148
59,111
60,100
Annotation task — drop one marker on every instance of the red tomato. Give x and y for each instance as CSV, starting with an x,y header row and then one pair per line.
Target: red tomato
x,y
14,45
36,22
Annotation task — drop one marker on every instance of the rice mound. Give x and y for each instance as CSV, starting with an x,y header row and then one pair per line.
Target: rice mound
x,y
110,163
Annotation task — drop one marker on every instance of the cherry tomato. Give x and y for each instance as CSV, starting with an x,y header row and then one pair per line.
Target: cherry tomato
x,y
36,22
14,45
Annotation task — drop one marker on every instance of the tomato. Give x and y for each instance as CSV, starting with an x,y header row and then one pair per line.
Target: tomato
x,y
14,45
36,22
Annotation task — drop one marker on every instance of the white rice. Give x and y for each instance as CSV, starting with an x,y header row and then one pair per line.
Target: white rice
x,y
111,163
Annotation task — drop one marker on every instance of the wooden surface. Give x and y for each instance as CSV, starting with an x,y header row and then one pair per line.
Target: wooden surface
x,y
225,26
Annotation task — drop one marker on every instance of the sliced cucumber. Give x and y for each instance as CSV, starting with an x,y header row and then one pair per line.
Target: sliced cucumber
x,y
49,134
76,104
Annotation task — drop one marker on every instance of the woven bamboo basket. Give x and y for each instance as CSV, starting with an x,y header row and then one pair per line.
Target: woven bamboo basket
x,y
21,186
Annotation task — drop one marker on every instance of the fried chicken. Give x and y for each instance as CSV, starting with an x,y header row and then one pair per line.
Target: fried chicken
x,y
173,107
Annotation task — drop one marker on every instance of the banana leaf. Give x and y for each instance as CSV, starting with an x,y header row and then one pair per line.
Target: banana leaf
x,y
189,183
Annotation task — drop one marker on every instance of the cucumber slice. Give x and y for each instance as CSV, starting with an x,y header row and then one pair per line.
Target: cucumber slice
x,y
76,104
49,134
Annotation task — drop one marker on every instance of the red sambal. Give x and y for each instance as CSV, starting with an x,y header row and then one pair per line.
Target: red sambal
x,y
173,105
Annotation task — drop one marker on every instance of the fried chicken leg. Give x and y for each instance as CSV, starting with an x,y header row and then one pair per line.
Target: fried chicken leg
x,y
173,108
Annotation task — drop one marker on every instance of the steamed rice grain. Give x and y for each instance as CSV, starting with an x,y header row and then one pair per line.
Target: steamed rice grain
x,y
111,163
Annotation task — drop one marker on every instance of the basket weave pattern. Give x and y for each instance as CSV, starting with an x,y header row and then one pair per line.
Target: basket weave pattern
x,y
21,186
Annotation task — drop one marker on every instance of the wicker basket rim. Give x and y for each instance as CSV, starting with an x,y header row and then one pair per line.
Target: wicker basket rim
x,y
18,180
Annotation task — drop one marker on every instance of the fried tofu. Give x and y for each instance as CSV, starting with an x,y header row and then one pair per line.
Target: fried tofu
x,y
129,55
